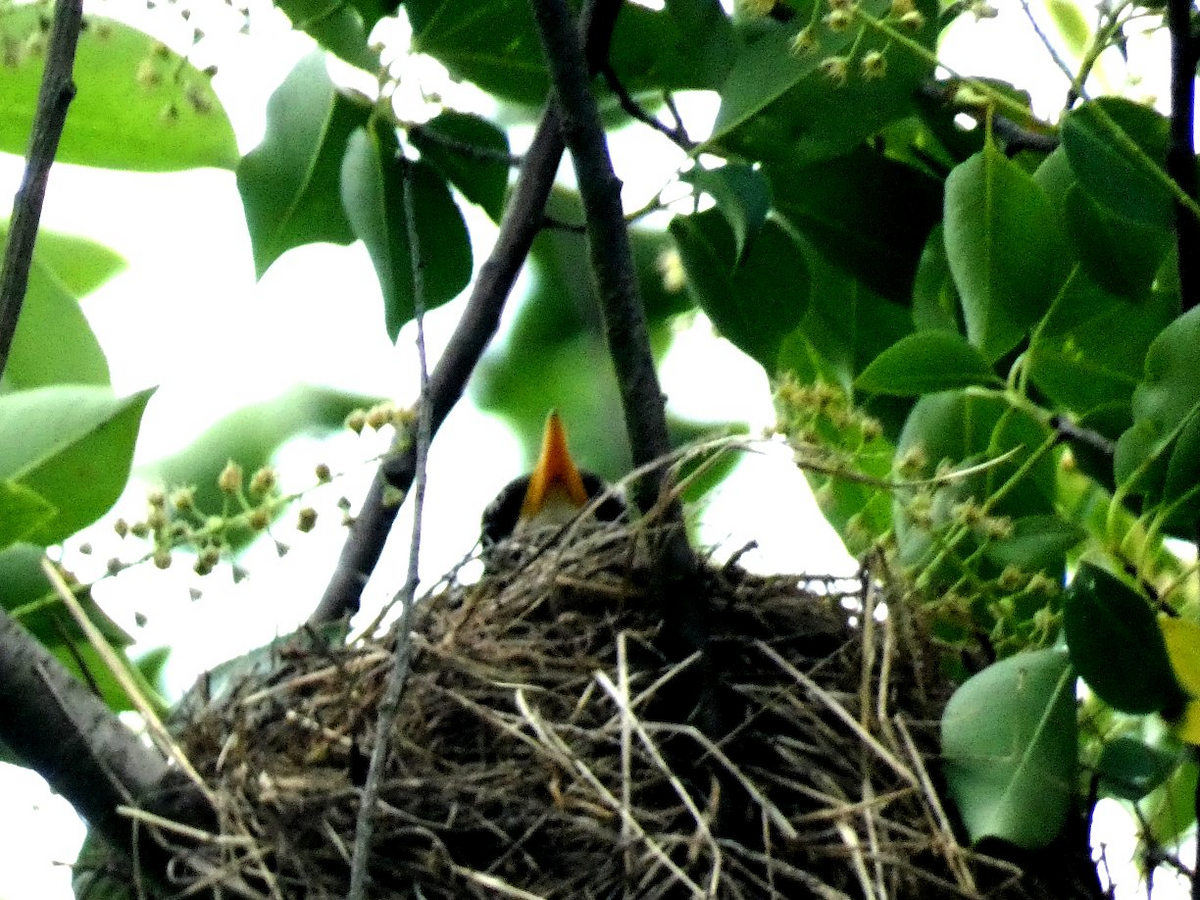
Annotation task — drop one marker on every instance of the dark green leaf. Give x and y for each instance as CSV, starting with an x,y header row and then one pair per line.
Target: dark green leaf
x,y
742,194
471,153
372,189
73,446
289,182
1005,249
138,105
1009,748
22,512
778,104
1116,645
924,363
865,213
935,302
755,303
1129,769
1168,394
1121,255
1074,358
342,28
1131,183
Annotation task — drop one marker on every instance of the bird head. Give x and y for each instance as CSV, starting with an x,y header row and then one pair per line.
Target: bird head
x,y
552,495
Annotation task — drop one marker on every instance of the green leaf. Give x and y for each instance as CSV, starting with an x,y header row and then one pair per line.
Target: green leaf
x,y
1118,150
924,363
138,105
342,28
864,212
778,104
1122,256
1129,769
54,344
1167,395
372,189
289,182
22,512
1005,249
1009,748
471,153
742,195
1073,357
755,303
1170,810
935,303
1116,645
73,446
1036,544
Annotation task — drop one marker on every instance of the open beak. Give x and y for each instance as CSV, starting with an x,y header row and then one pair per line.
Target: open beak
x,y
555,480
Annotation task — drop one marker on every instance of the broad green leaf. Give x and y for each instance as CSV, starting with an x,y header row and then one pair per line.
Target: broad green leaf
x,y
923,363
22,511
1121,255
289,182
742,195
341,28
1073,357
372,190
493,43
1168,394
864,212
778,104
1130,769
73,446
1005,249
1009,748
54,344
138,105
471,153
1117,149
1116,645
1071,25
935,303
756,302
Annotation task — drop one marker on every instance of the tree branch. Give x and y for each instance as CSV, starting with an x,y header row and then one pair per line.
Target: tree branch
x,y
479,322
67,734
54,98
1181,151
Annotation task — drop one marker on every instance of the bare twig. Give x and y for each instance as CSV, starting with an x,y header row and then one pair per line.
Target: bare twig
x,y
402,659
1181,151
677,135
479,322
54,98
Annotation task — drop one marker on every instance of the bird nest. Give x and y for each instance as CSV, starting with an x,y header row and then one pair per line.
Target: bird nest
x,y
550,743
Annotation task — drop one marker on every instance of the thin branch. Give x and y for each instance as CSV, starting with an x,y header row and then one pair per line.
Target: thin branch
x,y
54,98
402,659
1181,151
480,321
1055,56
677,135
1069,431
461,148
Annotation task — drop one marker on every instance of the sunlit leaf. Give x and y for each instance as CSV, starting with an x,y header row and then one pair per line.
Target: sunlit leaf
x,y
22,511
73,446
138,104
1009,748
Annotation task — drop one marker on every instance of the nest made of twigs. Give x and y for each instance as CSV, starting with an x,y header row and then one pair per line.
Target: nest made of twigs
x,y
553,742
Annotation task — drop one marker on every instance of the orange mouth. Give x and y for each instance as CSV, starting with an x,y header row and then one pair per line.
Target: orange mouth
x,y
555,479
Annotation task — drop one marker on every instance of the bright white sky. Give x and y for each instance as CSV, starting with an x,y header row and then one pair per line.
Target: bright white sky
x,y
190,287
